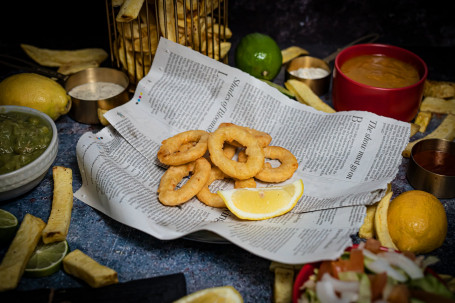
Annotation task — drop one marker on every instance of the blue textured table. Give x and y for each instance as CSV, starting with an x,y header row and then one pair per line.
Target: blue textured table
x,y
312,24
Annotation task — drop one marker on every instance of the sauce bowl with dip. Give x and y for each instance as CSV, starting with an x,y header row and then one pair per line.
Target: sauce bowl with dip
x,y
95,89
29,145
432,167
379,78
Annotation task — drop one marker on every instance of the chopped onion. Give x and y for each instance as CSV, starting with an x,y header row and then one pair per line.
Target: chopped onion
x,y
403,262
326,293
327,288
381,265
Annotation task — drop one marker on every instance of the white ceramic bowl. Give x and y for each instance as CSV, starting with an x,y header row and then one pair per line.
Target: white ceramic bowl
x,y
22,180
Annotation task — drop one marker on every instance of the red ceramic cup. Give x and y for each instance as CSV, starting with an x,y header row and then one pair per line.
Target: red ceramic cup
x,y
398,103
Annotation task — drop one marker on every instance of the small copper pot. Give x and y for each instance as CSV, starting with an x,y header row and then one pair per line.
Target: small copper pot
x,y
86,111
431,167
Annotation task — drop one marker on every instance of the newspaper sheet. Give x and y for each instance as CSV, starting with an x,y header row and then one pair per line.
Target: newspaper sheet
x,y
346,159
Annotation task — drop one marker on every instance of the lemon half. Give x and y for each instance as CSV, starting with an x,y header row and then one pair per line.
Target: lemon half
x,y
221,294
262,203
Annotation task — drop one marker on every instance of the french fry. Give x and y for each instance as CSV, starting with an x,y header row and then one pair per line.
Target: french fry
x,y
366,231
101,113
62,205
56,58
284,279
129,10
78,264
446,130
381,226
438,105
422,120
282,288
20,251
414,129
304,92
292,52
439,89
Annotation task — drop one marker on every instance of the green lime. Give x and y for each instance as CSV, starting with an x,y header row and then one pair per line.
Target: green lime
x,y
281,89
259,55
8,226
46,259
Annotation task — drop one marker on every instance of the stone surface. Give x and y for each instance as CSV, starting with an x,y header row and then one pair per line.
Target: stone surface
x,y
319,26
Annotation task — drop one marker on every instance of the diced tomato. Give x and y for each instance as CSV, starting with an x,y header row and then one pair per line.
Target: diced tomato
x,y
399,294
325,267
377,282
355,263
409,254
373,245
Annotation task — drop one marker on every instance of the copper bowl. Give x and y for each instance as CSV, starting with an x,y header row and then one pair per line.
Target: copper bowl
x,y
320,86
432,167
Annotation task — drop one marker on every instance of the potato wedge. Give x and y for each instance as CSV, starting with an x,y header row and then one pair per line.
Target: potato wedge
x,y
381,225
304,92
62,204
80,265
56,58
439,89
282,287
129,10
20,251
101,113
438,105
446,130
366,231
414,129
292,52
422,120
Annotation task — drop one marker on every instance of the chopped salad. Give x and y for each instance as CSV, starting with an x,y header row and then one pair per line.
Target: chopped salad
x,y
371,273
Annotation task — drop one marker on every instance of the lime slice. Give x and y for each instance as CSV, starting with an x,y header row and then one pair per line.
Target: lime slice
x,y
280,88
8,226
46,259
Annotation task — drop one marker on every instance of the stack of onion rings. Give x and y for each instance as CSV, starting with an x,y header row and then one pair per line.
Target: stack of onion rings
x,y
186,155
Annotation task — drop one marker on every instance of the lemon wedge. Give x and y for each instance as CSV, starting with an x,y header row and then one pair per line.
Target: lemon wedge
x,y
262,203
221,294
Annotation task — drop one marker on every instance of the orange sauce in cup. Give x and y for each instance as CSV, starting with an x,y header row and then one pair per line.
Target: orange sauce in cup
x,y
380,71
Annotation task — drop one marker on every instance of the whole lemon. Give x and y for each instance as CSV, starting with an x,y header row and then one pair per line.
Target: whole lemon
x,y
35,91
259,55
417,221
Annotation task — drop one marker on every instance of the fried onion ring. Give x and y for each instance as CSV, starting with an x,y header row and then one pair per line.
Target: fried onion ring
x,y
281,173
247,183
263,138
230,167
206,196
172,153
200,170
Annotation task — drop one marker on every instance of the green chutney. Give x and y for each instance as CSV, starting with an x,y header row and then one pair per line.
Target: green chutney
x,y
23,138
